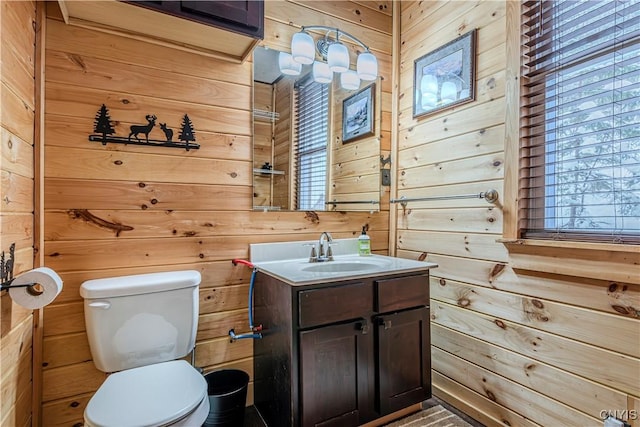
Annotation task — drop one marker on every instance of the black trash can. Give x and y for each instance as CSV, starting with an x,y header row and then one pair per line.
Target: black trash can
x,y
227,391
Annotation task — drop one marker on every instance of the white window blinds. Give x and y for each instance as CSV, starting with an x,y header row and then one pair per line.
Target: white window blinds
x,y
311,135
580,154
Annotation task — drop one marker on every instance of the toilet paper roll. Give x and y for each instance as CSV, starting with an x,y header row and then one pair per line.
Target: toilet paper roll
x,y
49,286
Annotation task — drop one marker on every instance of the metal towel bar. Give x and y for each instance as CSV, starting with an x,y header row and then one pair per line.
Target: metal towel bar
x,y
491,196
362,202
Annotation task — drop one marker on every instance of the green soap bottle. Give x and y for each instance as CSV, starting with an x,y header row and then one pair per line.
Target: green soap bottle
x,y
364,244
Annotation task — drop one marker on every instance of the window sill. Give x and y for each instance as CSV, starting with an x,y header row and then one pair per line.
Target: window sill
x,y
606,261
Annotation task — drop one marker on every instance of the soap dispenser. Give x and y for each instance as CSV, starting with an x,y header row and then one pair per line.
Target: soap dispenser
x,y
364,244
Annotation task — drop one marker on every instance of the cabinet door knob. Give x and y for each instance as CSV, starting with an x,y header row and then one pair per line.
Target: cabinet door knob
x,y
363,326
385,323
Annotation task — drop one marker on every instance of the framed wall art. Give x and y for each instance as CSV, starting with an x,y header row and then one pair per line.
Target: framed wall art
x,y
445,77
357,114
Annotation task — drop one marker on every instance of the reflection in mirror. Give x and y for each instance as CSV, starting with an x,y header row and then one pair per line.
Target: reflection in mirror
x,y
299,159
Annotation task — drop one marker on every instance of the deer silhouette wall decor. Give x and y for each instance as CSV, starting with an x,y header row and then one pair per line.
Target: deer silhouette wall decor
x,y
167,131
104,130
145,129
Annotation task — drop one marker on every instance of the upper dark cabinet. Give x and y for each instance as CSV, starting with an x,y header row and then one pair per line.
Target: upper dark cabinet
x,y
244,17
226,30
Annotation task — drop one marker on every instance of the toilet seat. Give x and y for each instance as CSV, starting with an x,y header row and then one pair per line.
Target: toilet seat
x,y
152,396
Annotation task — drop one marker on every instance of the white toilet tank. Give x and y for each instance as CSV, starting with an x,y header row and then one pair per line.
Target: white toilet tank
x,y
142,319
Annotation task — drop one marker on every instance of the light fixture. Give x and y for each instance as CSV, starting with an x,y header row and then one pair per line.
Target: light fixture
x,y
321,72
302,48
287,65
349,80
336,55
367,66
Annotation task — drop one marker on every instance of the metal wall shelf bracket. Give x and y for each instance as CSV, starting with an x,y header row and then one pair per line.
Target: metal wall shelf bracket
x,y
6,270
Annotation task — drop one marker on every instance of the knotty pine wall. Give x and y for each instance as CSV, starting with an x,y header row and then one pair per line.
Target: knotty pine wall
x,y
511,347
114,209
17,118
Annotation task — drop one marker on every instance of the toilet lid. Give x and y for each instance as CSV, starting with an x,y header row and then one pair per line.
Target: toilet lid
x,y
153,395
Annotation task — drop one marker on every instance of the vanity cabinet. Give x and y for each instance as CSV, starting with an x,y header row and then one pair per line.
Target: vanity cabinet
x,y
341,353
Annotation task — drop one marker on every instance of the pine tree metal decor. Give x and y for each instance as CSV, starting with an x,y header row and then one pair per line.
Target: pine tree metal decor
x,y
104,130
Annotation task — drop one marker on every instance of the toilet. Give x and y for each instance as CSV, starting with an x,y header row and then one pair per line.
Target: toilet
x,y
139,329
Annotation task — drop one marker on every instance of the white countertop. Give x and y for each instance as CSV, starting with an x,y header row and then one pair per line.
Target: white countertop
x,y
283,261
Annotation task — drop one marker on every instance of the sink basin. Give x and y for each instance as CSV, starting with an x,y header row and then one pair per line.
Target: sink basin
x,y
287,261
340,266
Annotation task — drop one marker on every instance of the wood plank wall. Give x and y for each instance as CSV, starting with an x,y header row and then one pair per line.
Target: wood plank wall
x,y
115,209
17,118
509,346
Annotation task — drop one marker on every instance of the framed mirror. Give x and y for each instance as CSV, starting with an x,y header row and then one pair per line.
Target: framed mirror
x,y
299,159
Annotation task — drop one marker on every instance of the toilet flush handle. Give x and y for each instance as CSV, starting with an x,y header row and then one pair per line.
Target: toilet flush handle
x,y
105,305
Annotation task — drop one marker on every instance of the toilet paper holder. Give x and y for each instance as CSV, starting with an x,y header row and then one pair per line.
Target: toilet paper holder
x,y
6,271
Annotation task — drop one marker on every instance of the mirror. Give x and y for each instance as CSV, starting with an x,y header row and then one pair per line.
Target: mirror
x,y
300,161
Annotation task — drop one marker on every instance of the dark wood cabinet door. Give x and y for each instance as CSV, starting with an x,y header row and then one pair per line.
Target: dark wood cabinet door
x,y
404,359
336,379
247,14
244,17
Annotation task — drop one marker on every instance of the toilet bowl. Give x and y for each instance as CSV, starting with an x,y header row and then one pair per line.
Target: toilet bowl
x,y
140,328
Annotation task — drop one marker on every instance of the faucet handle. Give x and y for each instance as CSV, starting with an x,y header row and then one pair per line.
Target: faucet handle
x,y
329,253
312,257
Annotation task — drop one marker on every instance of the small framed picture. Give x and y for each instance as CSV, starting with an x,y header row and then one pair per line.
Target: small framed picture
x,y
445,77
357,114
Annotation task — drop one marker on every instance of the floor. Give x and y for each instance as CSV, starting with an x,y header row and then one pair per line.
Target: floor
x,y
252,417
435,401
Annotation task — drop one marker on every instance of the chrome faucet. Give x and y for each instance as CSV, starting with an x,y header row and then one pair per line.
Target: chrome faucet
x,y
325,255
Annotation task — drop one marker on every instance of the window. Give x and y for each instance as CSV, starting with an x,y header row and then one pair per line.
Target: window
x,y
310,144
580,127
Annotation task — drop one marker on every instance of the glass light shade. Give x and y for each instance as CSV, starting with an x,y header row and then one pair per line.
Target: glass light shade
x,y
322,73
428,84
287,65
338,57
349,80
367,66
449,92
302,48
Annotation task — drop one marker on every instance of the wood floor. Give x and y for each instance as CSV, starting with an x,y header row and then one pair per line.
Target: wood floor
x,y
252,417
